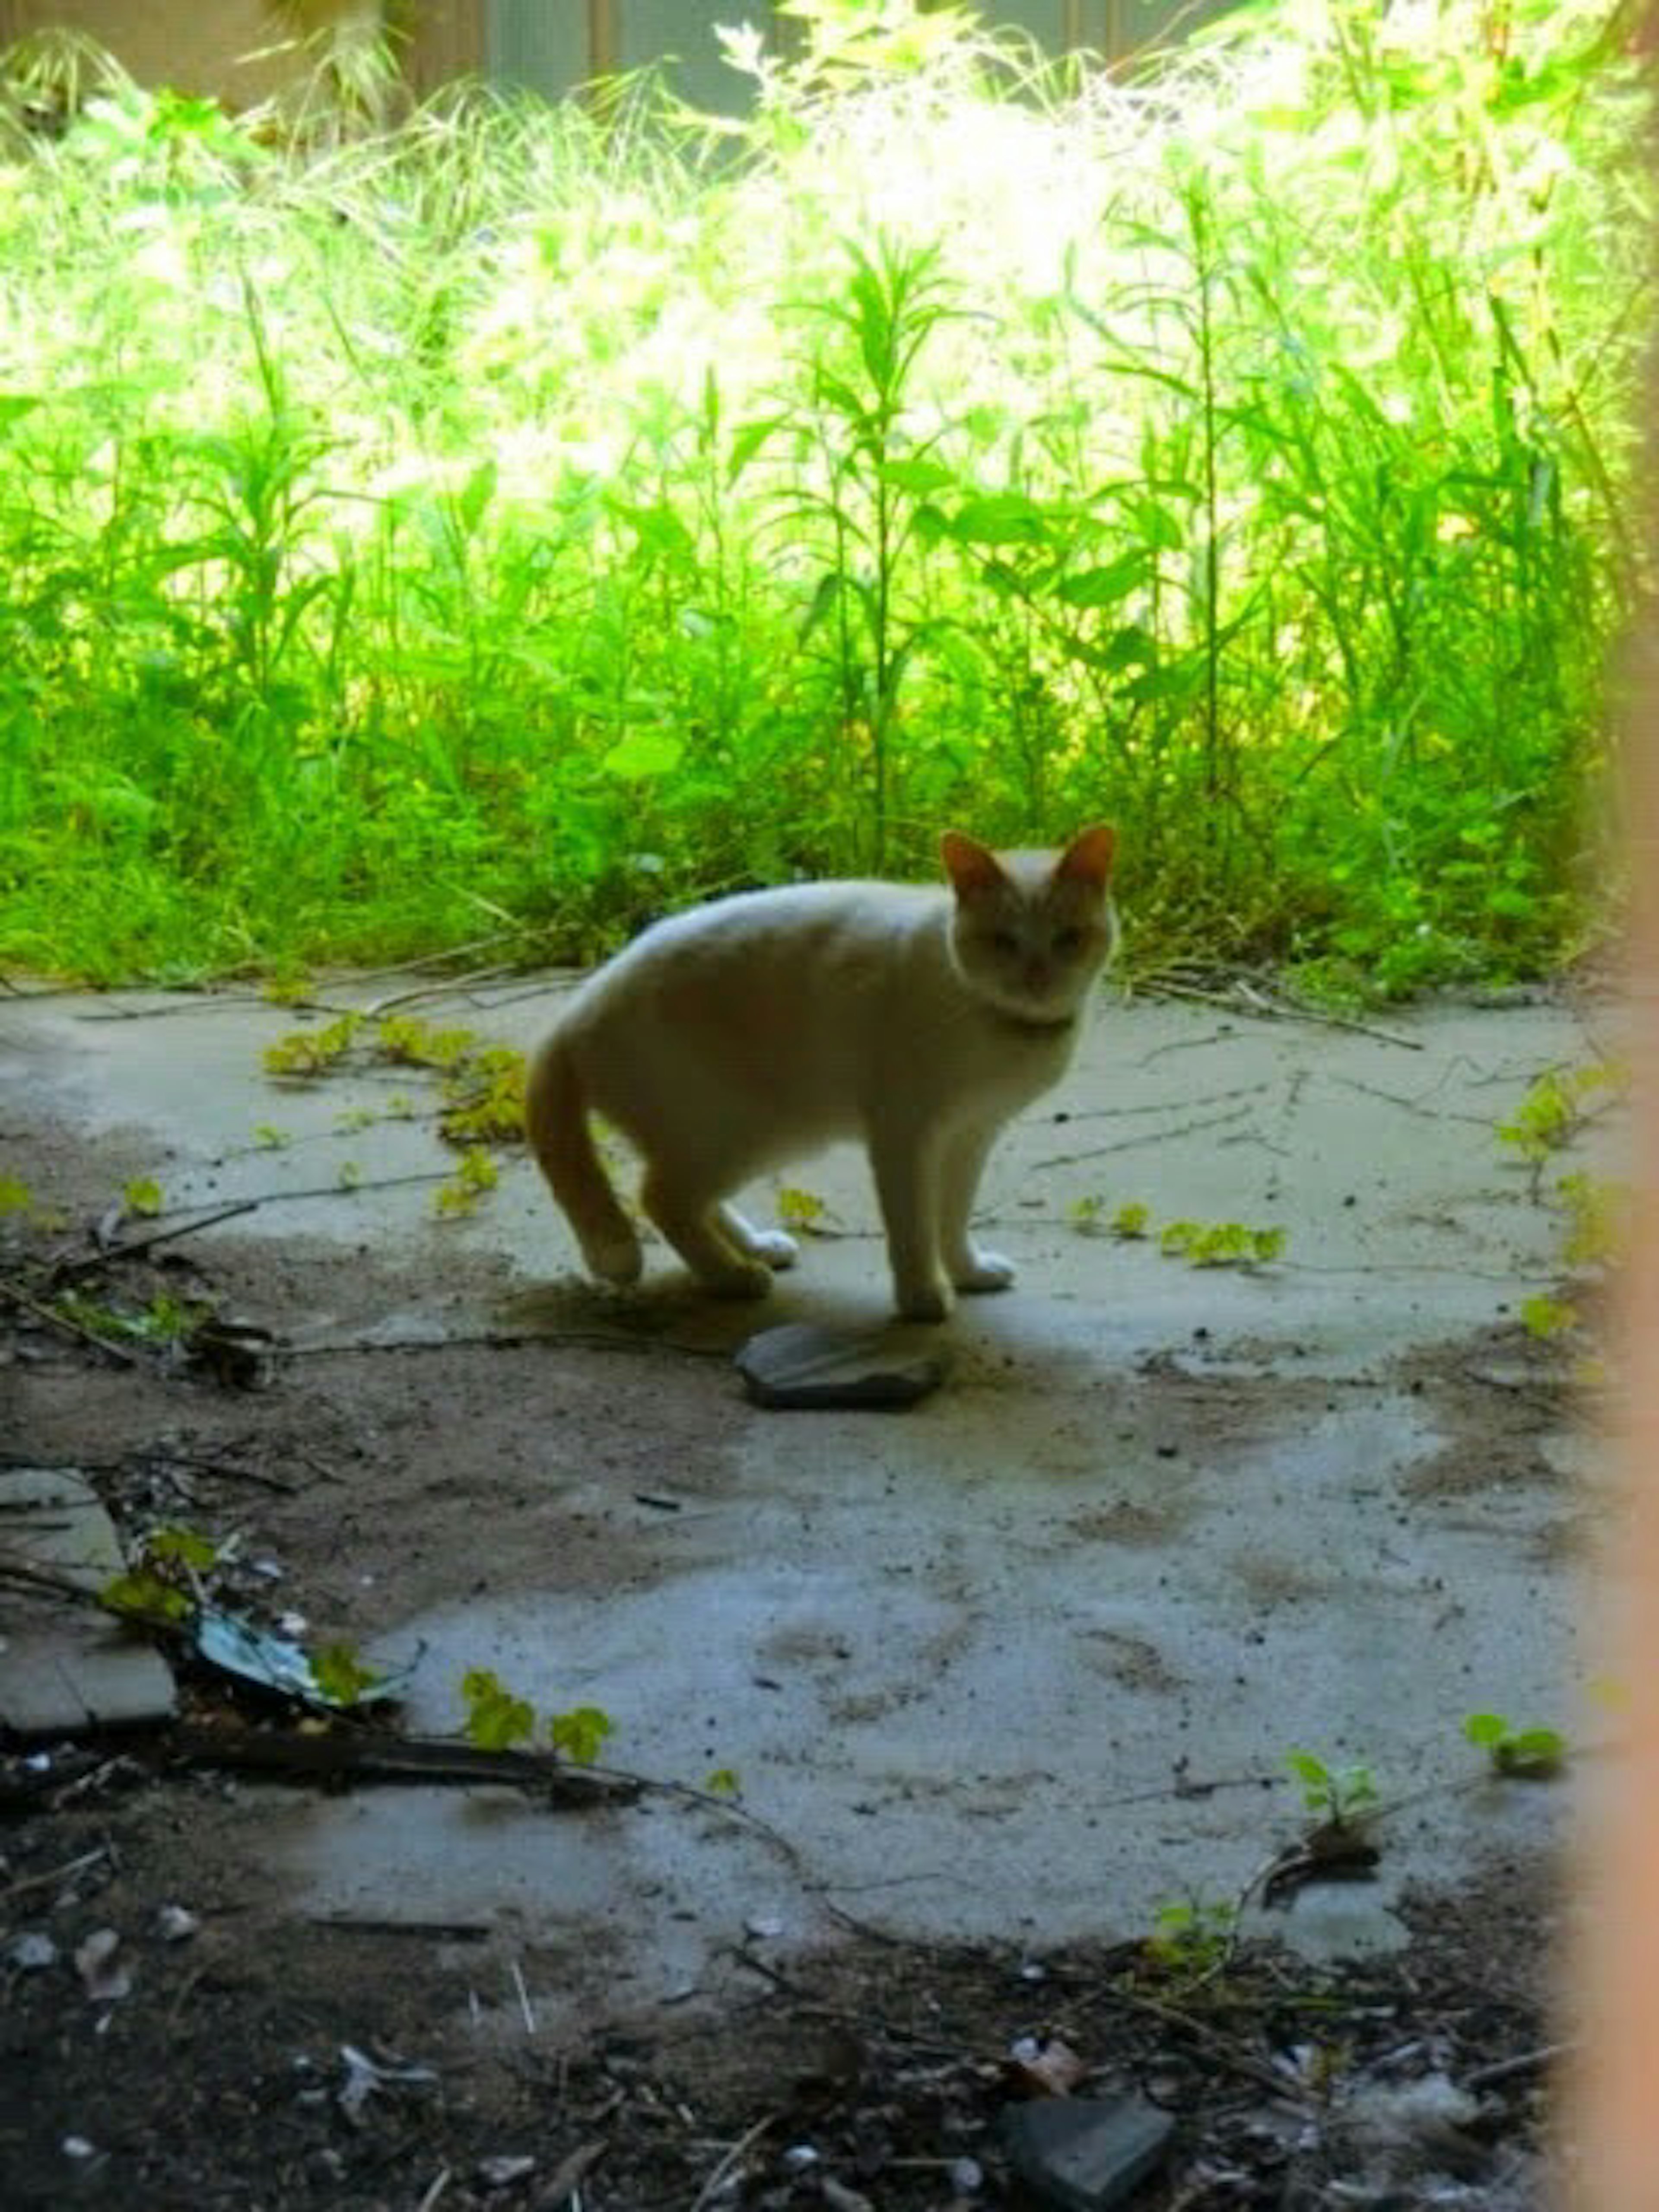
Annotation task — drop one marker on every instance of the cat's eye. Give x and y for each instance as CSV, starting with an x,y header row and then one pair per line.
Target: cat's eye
x,y
1003,940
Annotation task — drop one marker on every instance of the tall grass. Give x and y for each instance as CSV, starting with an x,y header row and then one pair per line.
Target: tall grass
x,y
557,512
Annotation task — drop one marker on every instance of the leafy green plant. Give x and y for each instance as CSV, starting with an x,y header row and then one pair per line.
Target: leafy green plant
x,y
141,1196
1545,1317
163,1320
1555,1107
495,1718
579,1733
1192,1936
800,1209
1338,1795
516,511
1220,1243
163,1581
1534,1753
477,1173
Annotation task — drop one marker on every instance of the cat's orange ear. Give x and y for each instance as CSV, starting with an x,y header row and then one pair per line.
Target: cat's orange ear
x,y
973,868
1088,858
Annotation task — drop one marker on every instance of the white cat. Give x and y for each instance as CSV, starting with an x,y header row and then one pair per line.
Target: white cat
x,y
726,1042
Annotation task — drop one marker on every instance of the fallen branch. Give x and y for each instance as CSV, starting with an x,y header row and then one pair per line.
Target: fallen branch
x,y
129,1248
375,1755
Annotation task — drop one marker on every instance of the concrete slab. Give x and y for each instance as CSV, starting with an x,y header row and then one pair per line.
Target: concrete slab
x,y
65,1666
1025,1660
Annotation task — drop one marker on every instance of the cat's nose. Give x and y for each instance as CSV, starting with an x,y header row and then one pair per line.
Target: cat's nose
x,y
1038,976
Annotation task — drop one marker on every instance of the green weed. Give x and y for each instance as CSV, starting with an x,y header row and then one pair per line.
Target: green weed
x,y
1337,1796
1220,1243
518,506
497,1718
1534,1753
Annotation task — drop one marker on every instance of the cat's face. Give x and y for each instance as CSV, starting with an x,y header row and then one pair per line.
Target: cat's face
x,y
1032,930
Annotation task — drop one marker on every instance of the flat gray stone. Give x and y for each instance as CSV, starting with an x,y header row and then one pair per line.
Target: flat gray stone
x,y
803,1364
65,1665
1085,2153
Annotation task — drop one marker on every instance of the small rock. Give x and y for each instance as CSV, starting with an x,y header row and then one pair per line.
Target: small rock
x,y
501,2173
77,2148
175,1925
30,1950
1085,2153
95,1961
802,1364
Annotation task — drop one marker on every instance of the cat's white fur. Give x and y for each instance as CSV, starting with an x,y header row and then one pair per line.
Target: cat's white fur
x,y
732,1039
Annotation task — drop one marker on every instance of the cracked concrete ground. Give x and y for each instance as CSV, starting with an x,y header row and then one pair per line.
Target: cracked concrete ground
x,y
1019,1663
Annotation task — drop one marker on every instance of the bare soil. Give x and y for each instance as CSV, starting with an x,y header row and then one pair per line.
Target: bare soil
x,y
874,2074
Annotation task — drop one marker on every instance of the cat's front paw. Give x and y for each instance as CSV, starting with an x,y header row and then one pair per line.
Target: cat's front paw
x,y
774,1246
925,1302
983,1271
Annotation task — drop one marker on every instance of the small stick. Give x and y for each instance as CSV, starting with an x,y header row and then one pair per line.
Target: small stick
x,y
569,2174
730,2163
1525,2062
19,1296
435,2191
524,1999
128,1247
52,1874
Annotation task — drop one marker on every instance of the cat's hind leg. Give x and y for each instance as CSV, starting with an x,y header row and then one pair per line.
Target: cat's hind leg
x,y
969,1265
703,1232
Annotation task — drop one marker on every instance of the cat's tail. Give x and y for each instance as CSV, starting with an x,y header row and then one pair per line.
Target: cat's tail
x,y
556,1119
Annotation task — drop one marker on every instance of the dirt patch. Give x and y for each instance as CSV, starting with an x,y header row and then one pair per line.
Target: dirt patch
x,y
383,1481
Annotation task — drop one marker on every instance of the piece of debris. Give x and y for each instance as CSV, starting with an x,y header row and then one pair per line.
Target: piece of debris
x,y
175,1925
501,2173
806,1366
366,2077
104,1981
30,1950
1085,2153
238,1646
1045,2068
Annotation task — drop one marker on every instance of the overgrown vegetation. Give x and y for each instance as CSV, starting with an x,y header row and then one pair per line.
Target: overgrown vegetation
x,y
560,513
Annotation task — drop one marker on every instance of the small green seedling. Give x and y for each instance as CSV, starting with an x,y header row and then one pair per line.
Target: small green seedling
x,y
1087,1214
1193,1936
304,1055
580,1733
1545,1317
16,1196
1598,1209
344,1678
1220,1243
163,1584
270,1137
724,1783
1556,1106
1533,1755
800,1209
494,1717
141,1196
477,1173
1337,1796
